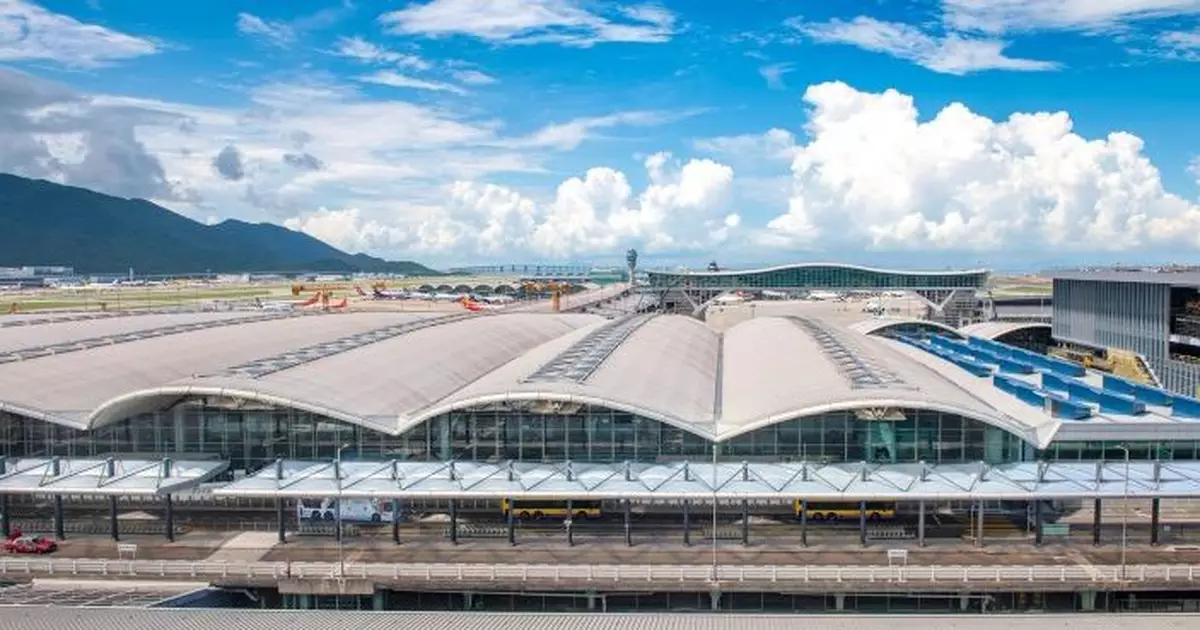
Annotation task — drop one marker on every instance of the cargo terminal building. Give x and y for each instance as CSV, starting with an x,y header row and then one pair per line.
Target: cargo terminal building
x,y
525,405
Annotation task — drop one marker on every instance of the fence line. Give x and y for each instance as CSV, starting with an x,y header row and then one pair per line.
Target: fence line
x,y
766,574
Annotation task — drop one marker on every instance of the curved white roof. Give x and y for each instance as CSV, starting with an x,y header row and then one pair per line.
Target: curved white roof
x,y
775,368
878,324
995,330
389,371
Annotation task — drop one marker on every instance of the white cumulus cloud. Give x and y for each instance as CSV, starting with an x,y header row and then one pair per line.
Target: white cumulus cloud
x,y
873,174
681,209
952,53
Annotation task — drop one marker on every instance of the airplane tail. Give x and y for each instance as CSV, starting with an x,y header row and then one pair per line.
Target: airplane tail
x,y
341,304
471,305
359,291
312,300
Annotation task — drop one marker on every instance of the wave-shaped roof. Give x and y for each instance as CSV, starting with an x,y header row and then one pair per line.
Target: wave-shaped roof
x,y
391,370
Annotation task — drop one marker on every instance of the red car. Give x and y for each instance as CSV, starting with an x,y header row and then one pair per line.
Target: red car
x,y
19,543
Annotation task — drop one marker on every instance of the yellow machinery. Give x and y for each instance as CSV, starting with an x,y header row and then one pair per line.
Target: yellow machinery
x,y
1130,365
555,289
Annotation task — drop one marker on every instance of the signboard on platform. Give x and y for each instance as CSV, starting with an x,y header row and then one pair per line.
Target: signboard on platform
x,y
1056,529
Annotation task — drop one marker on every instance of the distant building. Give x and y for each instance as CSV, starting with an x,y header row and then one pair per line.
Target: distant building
x,y
1147,317
34,276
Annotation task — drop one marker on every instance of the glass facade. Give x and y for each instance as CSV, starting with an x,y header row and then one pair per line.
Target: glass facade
x,y
253,438
819,277
1069,451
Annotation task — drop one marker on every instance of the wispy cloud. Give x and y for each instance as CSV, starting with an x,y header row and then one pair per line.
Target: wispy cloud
x,y
774,74
1010,16
392,78
949,54
569,135
30,33
364,51
473,77
275,33
564,22
1182,45
283,33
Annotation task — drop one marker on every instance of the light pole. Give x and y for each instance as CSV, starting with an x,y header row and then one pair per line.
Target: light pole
x,y
713,534
1125,512
337,509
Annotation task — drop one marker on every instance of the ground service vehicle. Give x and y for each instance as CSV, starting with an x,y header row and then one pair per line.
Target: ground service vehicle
x,y
352,510
848,510
541,509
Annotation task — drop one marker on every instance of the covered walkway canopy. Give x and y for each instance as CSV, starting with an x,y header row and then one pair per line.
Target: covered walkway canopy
x,y
697,481
104,476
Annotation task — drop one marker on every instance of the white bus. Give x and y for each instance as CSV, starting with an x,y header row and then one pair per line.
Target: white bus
x,y
352,510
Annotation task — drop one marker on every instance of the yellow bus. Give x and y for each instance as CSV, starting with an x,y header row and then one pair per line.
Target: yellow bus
x,y
537,508
837,510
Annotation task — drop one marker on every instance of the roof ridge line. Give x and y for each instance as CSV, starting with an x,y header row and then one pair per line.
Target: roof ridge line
x,y
259,368
579,361
77,345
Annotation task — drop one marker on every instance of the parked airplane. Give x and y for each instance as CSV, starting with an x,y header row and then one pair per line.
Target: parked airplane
x,y
476,307
287,306
448,297
493,299
380,294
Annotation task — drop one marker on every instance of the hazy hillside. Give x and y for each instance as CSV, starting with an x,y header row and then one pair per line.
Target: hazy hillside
x,y
46,223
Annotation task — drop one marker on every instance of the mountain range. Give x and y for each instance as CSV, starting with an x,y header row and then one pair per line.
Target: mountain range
x,y
44,223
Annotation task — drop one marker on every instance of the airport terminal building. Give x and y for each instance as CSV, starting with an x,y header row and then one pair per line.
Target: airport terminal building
x,y
1150,318
253,388
950,296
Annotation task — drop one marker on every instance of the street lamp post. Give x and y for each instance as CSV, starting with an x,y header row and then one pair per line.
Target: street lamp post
x,y
337,472
713,533
1125,513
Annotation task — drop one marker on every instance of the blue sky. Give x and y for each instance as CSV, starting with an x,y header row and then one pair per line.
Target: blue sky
x,y
912,132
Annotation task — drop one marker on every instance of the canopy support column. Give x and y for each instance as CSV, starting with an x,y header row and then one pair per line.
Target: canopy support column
x,y
279,522
114,529
454,521
862,523
979,523
1037,523
396,521
1154,509
512,524
169,516
687,533
168,503
569,523
1096,523
745,523
803,522
59,533
628,524
921,523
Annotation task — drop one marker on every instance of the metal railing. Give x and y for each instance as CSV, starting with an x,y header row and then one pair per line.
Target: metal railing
x,y
1175,574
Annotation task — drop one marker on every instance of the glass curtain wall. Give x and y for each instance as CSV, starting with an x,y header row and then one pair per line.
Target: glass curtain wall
x,y
823,277
251,439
